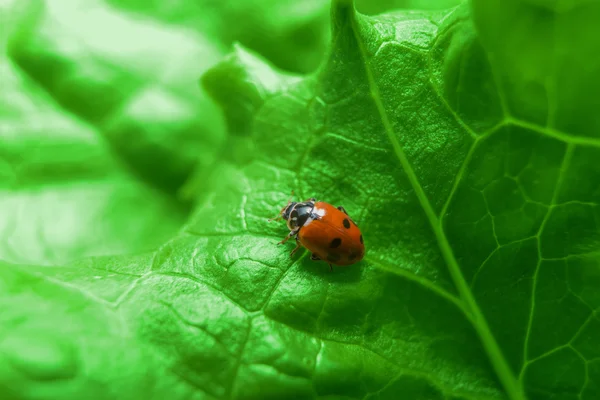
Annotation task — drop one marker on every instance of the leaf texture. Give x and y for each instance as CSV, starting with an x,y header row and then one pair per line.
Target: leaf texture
x,y
471,173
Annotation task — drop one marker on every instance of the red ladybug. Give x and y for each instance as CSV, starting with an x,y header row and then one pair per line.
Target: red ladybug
x,y
326,231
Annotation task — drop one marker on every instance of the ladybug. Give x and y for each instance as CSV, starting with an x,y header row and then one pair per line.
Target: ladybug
x,y
325,230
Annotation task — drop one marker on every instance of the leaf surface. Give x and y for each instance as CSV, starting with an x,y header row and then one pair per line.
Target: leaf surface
x,y
478,199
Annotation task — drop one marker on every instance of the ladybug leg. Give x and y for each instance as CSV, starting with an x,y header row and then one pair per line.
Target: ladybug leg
x,y
280,217
295,248
330,268
314,257
292,233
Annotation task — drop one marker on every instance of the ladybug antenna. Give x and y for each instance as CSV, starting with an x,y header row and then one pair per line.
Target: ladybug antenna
x,y
279,217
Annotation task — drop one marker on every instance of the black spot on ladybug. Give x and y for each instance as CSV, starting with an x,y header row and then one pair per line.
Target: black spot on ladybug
x,y
335,243
346,223
361,239
333,257
352,256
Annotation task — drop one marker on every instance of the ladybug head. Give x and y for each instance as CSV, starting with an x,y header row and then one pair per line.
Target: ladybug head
x,y
286,211
297,214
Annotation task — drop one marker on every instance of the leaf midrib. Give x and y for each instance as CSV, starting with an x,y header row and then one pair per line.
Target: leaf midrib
x,y
501,367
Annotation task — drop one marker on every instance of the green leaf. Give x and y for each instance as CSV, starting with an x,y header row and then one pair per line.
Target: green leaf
x,y
293,35
478,201
141,98
63,195
380,6
97,122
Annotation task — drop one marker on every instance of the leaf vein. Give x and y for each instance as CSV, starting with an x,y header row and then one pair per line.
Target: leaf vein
x,y
424,282
492,348
564,164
